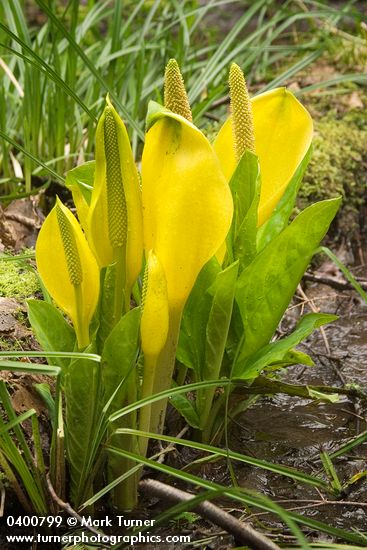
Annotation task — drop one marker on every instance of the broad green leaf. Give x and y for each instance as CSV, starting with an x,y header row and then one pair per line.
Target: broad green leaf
x,y
247,184
52,330
83,405
280,216
242,183
119,356
223,290
292,357
191,347
266,286
120,377
278,352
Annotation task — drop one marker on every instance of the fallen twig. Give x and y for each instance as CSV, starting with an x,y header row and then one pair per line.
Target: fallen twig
x,y
315,310
334,283
241,531
68,509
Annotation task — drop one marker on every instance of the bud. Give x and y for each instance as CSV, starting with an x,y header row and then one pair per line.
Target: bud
x,y
175,96
154,320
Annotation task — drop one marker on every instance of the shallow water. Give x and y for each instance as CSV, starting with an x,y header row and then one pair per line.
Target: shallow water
x,y
293,431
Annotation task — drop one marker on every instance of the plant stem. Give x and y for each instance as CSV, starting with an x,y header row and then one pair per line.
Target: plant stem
x,y
120,282
82,331
150,366
164,371
125,494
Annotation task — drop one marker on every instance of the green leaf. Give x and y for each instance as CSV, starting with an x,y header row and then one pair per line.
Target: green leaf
x,y
187,409
121,381
44,392
292,357
331,397
107,300
16,421
266,286
119,357
223,290
155,112
83,406
82,179
278,352
30,368
279,218
191,347
52,330
245,184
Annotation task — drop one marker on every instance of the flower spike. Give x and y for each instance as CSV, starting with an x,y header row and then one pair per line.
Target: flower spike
x,y
175,96
116,200
115,225
241,111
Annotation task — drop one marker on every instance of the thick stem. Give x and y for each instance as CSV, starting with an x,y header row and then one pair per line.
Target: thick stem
x,y
81,329
120,282
150,366
164,371
125,495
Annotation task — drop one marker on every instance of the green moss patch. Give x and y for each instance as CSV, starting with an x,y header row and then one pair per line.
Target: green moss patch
x,y
338,167
17,280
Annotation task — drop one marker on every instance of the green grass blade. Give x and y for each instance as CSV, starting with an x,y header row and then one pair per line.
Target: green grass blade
x,y
32,157
71,354
33,368
90,66
16,421
347,274
226,453
241,495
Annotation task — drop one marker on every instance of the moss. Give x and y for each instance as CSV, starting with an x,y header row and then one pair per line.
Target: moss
x,y
338,164
17,280
10,344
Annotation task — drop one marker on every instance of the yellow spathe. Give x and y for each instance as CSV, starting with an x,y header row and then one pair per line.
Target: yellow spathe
x,y
283,133
68,268
155,316
114,160
187,203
